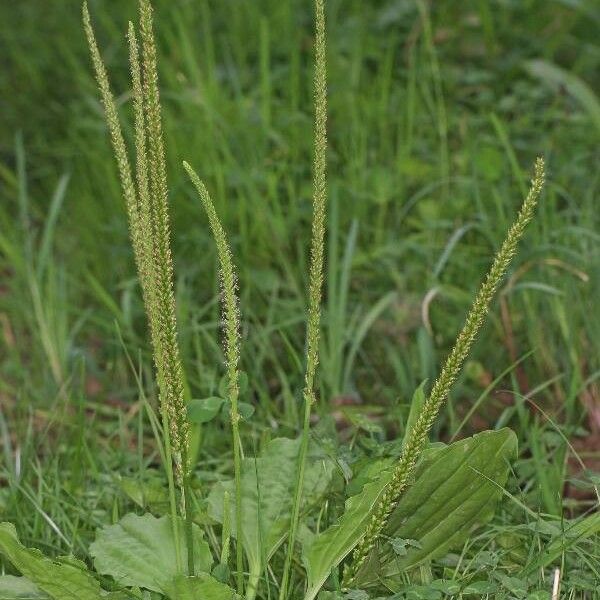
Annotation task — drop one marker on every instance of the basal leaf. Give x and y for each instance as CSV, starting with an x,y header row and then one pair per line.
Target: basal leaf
x,y
325,551
201,587
329,548
455,489
60,581
267,490
20,588
141,551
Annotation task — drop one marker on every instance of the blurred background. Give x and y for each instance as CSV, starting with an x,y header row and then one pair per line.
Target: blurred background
x,y
436,114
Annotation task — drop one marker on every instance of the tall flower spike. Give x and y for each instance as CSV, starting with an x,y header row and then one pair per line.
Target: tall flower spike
x,y
417,437
164,297
143,233
315,275
231,318
116,136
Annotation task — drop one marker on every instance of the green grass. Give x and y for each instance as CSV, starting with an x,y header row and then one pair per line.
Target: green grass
x,y
433,126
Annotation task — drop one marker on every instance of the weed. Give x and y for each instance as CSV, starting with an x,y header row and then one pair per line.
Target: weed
x,y
417,436
406,506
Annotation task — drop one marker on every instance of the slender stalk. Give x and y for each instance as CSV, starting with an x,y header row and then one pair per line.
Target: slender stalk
x,y
316,274
226,531
231,318
417,436
171,485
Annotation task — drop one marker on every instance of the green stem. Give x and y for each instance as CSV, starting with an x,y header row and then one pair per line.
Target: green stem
x,y
189,523
237,470
171,484
295,517
253,578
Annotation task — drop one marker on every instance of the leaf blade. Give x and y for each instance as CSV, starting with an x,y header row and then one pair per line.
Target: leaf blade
x,y
140,551
201,587
267,486
454,490
61,581
328,549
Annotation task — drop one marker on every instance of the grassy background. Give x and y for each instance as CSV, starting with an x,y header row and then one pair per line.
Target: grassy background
x,y
436,117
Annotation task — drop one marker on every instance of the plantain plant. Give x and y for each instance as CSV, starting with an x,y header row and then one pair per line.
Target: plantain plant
x,y
403,508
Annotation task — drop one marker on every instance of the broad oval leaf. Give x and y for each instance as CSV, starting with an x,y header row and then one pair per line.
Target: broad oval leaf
x,y
201,587
455,489
204,410
246,410
325,551
267,491
61,581
141,551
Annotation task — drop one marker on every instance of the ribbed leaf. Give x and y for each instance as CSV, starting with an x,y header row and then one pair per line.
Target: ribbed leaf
x,y
328,549
267,490
61,581
140,551
455,490
202,587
